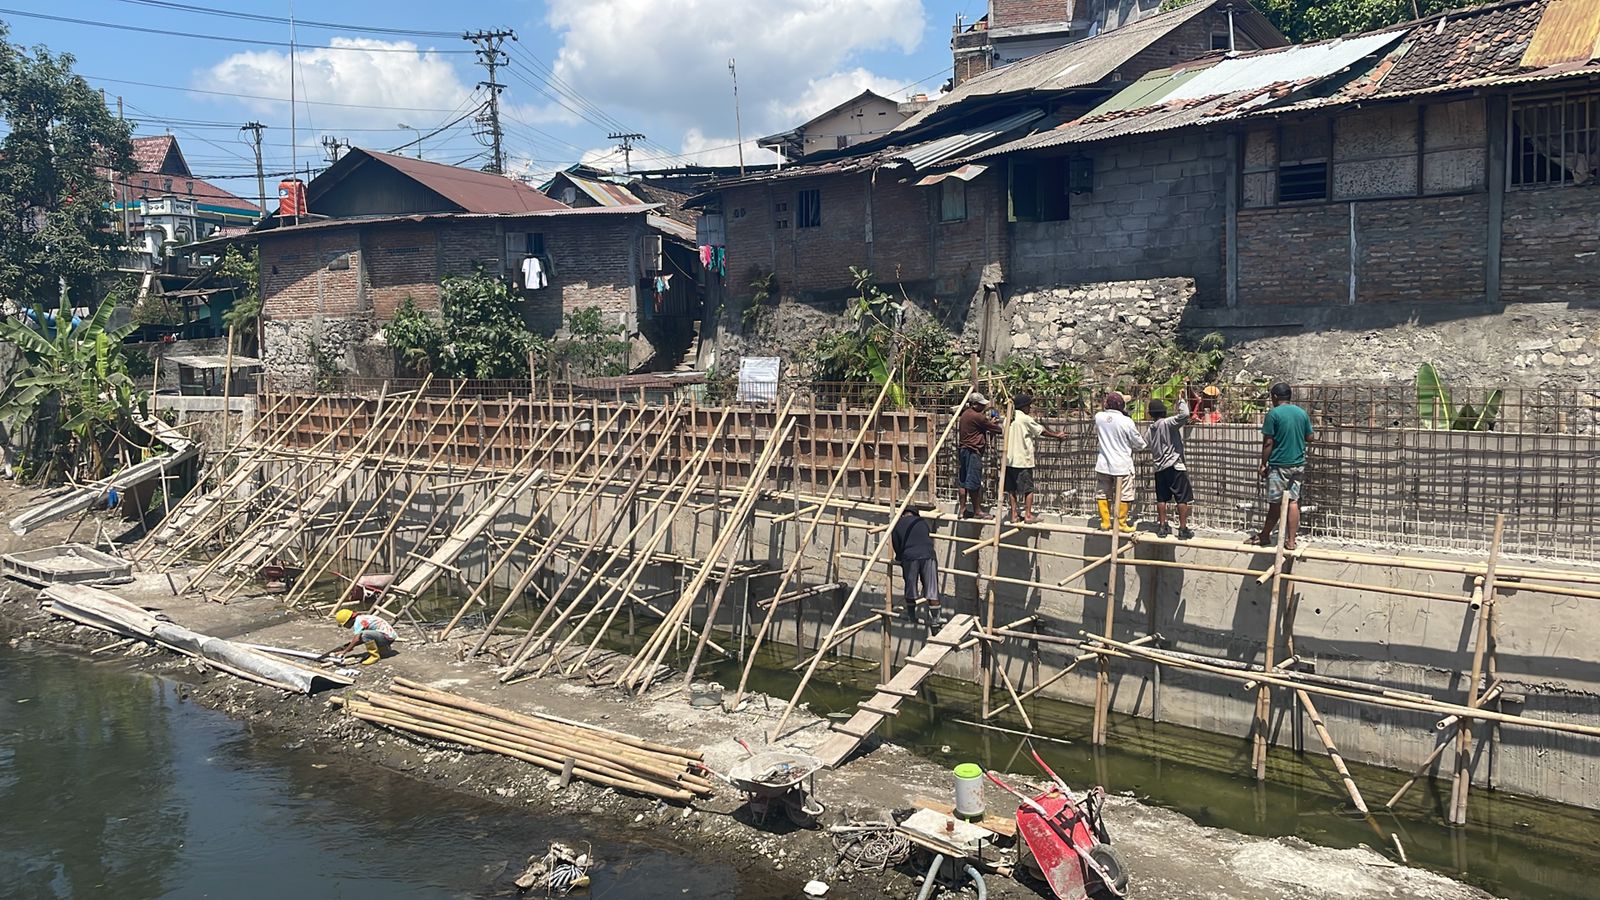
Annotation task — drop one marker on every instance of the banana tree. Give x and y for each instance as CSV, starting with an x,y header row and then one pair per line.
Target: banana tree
x,y
71,383
1436,411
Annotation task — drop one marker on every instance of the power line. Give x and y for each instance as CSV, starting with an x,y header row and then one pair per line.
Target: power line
x,y
219,37
283,20
189,90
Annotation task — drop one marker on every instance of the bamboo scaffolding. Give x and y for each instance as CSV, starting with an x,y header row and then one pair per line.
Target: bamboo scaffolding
x,y
1333,750
1480,645
561,529
521,536
667,431
1102,680
659,643
877,553
1274,602
180,515
330,548
796,561
691,478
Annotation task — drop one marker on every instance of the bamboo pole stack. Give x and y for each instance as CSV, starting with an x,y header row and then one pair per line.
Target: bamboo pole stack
x,y
603,757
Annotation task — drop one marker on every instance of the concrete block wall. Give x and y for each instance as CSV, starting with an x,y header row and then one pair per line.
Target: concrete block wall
x,y
1157,210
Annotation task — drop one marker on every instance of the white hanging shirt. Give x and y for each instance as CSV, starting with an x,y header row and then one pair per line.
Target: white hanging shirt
x,y
533,275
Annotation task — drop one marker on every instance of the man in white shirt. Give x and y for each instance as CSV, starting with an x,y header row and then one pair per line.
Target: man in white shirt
x,y
1021,456
1119,437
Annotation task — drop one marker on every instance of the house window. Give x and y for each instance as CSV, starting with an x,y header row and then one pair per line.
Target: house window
x,y
167,185
952,200
808,209
1038,190
738,212
1303,152
841,141
1555,139
1220,41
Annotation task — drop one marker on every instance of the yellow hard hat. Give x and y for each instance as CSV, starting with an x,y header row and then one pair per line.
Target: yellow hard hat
x,y
344,616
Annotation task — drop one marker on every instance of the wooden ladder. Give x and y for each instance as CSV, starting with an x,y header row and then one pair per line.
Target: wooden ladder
x,y
844,740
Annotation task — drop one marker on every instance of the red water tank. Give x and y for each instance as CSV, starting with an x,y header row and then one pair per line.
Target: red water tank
x,y
291,197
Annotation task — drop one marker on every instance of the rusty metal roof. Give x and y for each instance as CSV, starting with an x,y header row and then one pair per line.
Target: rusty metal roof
x,y
471,190
561,212
1086,62
1569,32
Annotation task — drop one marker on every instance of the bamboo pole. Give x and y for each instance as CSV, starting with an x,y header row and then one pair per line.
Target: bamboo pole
x,y
1480,642
775,445
795,562
987,658
1264,696
692,475
534,565
882,544
227,388
659,643
1333,751
1102,688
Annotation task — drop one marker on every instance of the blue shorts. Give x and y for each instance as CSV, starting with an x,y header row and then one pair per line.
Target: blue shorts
x,y
1284,478
970,473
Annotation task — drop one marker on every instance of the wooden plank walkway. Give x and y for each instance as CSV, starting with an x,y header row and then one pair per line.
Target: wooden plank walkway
x,y
837,747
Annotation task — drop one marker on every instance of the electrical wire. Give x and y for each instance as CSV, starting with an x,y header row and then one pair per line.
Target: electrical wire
x,y
224,38
190,90
284,20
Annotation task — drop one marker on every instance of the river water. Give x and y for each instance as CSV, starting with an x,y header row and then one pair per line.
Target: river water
x,y
112,785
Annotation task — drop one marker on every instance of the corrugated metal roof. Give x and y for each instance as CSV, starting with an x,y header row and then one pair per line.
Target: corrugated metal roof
x,y
965,173
605,193
559,213
1301,63
1079,64
1149,90
672,227
921,156
1569,31
473,191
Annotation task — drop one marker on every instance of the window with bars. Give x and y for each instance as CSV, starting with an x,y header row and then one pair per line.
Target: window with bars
x,y
808,209
1555,139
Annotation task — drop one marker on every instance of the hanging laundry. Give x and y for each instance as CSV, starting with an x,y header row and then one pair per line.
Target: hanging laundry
x,y
705,256
533,274
720,261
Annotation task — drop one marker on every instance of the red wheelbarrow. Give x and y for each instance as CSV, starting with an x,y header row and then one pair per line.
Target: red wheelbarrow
x,y
1068,840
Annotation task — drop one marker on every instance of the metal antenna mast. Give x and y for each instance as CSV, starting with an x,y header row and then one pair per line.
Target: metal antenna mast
x,y
627,147
491,57
332,147
255,129
737,124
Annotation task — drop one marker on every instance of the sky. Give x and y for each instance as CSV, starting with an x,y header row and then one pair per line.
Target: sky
x,y
579,70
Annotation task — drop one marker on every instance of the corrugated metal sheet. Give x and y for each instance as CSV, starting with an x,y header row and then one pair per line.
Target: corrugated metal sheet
x,y
965,173
1079,64
921,156
605,193
1149,90
671,227
473,191
1568,32
1305,62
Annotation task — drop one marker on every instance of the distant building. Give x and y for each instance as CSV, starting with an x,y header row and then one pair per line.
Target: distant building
x,y
161,205
381,229
863,117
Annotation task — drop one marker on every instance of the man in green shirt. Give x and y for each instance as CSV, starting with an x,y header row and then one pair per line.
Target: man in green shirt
x,y
1283,463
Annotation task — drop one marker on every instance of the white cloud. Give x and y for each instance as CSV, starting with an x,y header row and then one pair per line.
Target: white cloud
x,y
668,59
399,77
823,94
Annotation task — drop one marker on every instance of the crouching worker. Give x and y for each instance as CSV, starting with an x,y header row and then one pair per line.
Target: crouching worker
x,y
365,628
913,548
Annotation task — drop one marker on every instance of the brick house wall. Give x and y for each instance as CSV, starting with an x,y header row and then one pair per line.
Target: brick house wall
x,y
1548,250
1013,13
1157,210
1190,40
334,287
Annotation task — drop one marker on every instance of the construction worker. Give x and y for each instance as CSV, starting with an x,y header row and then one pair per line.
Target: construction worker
x,y
912,540
368,629
1285,431
1119,437
1022,456
1171,467
973,428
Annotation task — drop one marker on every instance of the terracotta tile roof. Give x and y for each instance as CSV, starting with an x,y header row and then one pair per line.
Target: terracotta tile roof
x,y
1465,45
150,154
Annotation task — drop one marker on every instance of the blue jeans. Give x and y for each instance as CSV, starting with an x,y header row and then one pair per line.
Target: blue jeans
x,y
970,475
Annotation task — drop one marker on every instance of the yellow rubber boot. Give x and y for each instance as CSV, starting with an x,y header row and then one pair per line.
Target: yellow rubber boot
x,y
373,655
1105,515
1122,516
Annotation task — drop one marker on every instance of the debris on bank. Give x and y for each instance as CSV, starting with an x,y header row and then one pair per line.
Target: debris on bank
x,y
108,612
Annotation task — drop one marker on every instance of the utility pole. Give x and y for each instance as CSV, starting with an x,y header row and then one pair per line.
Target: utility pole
x,y
627,148
332,147
737,124
255,129
491,57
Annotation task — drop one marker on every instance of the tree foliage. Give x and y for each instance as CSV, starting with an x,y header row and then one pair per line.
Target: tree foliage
x,y
879,344
59,142
245,313
1315,20
478,334
72,383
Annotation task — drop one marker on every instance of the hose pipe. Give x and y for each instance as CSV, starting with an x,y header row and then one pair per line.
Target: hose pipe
x,y
977,882
932,878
